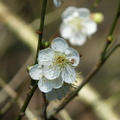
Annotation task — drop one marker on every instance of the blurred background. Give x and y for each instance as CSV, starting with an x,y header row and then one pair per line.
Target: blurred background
x,y
19,21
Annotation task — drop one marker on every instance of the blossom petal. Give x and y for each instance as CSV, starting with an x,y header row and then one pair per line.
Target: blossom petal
x,y
59,44
61,92
36,72
51,72
73,56
52,95
90,27
68,74
57,3
65,30
57,93
83,13
44,85
68,12
78,38
56,83
45,56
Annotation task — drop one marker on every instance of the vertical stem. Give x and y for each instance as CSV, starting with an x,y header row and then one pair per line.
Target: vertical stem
x,y
40,32
33,85
27,100
109,38
44,108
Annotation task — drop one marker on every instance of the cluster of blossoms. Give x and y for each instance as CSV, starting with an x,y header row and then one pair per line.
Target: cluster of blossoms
x,y
55,69
77,25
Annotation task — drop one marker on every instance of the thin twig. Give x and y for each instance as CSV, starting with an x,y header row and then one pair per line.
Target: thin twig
x,y
33,85
109,37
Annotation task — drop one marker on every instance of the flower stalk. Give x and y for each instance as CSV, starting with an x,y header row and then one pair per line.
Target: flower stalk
x,y
109,38
33,85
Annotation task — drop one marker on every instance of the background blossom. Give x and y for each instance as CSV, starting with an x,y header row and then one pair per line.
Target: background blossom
x,y
77,25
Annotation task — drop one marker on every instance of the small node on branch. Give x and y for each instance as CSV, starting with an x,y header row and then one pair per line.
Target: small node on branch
x,y
45,44
80,55
39,32
30,87
22,114
109,39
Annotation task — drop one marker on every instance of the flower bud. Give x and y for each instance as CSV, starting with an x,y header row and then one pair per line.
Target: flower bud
x,y
45,44
97,17
110,38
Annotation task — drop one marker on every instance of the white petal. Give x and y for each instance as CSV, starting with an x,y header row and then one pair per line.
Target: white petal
x,y
90,27
45,56
61,92
65,30
52,95
57,93
51,72
36,72
57,3
44,85
59,44
56,83
78,39
83,13
68,12
68,74
72,56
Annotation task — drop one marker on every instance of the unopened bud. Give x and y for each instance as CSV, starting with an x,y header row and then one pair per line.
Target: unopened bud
x,y
110,38
97,17
45,44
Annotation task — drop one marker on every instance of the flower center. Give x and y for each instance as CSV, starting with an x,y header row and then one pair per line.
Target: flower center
x,y
60,59
76,23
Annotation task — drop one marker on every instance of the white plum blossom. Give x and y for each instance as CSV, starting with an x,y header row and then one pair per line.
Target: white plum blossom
x,y
57,3
59,61
44,84
77,25
55,70
58,93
